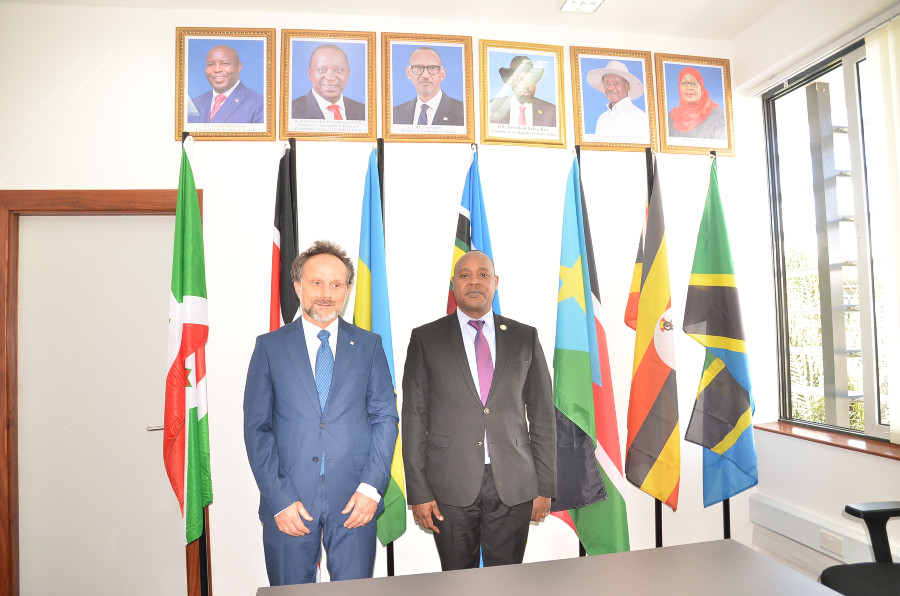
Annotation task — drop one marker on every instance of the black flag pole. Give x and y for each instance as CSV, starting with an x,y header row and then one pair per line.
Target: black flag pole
x,y
379,157
581,550
726,504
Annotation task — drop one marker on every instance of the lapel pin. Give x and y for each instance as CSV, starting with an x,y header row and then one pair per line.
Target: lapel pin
x,y
540,111
502,327
445,118
351,343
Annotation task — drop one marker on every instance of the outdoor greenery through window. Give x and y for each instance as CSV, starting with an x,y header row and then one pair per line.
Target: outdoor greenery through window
x,y
833,247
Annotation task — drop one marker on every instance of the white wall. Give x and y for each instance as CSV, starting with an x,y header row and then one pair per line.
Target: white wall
x,y
93,108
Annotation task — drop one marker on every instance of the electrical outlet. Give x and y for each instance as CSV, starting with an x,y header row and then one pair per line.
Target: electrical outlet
x,y
831,543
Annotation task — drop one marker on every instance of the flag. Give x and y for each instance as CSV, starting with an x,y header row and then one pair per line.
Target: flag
x,y
372,312
652,448
186,432
471,229
284,302
722,417
589,460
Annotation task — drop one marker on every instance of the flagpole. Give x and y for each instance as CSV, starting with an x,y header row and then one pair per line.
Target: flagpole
x,y
582,552
379,156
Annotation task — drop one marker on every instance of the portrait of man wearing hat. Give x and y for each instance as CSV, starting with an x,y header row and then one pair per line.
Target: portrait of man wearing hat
x,y
622,121
522,108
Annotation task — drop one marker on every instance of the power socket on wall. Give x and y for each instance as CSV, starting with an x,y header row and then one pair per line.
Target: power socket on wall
x,y
831,543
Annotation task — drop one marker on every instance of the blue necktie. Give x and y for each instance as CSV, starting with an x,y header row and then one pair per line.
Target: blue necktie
x,y
423,115
324,370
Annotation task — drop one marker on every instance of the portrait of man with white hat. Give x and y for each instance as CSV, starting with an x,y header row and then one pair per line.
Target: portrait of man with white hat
x,y
622,121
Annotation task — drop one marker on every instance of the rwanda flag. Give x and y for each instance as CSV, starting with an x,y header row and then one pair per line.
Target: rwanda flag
x,y
372,312
589,460
722,417
652,449
471,229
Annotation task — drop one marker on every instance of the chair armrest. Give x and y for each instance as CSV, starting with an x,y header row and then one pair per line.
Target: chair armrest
x,y
876,516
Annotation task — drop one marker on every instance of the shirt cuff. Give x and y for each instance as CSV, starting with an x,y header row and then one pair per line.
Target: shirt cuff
x,y
369,491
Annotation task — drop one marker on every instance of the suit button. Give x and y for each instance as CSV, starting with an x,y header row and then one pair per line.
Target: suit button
x,y
487,410
480,444
316,458
323,425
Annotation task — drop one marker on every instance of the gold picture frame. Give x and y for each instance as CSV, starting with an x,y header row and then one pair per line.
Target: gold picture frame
x,y
694,99
542,122
239,63
342,79
448,119
613,99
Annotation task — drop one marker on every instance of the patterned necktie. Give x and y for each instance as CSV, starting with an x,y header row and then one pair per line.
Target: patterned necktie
x,y
324,370
483,361
220,99
521,115
336,110
423,116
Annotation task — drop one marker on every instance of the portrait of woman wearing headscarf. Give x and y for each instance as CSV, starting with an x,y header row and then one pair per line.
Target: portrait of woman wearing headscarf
x,y
697,115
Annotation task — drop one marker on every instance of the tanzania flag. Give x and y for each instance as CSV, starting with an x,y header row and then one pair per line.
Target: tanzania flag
x,y
652,449
589,461
284,302
722,417
471,229
186,434
372,312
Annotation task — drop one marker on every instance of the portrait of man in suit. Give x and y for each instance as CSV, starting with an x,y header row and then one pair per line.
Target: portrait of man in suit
x,y
320,425
521,107
431,106
479,432
329,72
229,100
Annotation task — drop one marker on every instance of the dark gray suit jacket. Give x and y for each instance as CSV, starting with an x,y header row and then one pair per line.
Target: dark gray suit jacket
x,y
444,421
306,106
543,113
450,112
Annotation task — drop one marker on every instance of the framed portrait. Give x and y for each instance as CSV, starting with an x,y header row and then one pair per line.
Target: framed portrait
x,y
695,112
614,107
328,85
225,85
522,96
427,88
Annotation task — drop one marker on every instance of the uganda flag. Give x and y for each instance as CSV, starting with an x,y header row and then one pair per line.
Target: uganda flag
x,y
722,417
471,229
186,426
284,303
372,312
652,449
589,457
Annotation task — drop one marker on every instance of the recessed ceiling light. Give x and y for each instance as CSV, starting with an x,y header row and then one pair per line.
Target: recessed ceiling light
x,y
587,6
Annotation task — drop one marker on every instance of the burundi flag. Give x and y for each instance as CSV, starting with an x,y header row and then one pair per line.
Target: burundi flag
x,y
722,417
372,312
284,303
589,460
186,433
471,229
652,448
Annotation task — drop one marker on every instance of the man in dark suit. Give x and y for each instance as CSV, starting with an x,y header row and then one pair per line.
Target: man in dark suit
x,y
479,433
229,100
431,105
522,108
328,72
320,425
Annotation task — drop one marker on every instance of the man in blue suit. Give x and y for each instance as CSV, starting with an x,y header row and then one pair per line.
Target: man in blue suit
x,y
229,101
320,425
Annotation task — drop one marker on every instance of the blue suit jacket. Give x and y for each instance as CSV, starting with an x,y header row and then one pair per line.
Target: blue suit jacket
x,y
286,432
450,112
243,106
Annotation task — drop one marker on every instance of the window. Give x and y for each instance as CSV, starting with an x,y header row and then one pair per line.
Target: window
x,y
833,247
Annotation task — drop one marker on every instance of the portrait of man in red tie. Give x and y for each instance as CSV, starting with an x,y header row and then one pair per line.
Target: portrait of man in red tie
x,y
229,100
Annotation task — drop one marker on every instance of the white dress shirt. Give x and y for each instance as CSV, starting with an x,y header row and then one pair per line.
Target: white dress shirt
x,y
469,333
329,115
624,119
432,103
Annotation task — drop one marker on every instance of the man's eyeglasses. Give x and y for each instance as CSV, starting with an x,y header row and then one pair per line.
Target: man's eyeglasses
x,y
694,84
418,69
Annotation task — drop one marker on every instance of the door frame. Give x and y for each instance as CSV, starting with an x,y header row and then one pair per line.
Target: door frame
x,y
13,204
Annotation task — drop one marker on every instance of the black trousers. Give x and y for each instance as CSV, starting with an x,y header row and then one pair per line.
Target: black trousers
x,y
487,528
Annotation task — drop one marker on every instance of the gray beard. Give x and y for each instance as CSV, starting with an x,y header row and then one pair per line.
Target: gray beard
x,y
318,317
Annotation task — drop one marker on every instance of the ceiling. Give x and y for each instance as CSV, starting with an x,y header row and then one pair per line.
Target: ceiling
x,y
698,19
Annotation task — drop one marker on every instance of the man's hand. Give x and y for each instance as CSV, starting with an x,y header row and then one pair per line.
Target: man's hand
x,y
540,509
363,509
289,520
423,515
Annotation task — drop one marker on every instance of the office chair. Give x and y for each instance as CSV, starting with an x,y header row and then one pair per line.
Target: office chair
x,y
869,579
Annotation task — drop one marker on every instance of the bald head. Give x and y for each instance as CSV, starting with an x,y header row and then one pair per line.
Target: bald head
x,y
474,283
